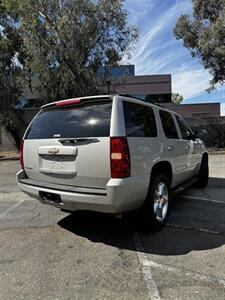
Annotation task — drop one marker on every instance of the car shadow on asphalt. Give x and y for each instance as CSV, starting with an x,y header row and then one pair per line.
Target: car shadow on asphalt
x,y
100,228
192,226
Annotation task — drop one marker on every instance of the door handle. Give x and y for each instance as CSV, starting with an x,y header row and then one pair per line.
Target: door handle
x,y
170,147
188,147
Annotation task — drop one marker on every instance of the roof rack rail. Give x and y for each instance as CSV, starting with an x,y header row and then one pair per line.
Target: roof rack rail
x,y
130,96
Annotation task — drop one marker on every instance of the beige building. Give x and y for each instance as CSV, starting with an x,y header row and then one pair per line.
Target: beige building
x,y
151,88
197,110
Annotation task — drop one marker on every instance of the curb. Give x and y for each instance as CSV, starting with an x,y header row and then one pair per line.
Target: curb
x,y
9,158
216,152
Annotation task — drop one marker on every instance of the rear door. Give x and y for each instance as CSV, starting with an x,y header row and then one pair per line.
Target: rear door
x,y
69,145
142,136
174,146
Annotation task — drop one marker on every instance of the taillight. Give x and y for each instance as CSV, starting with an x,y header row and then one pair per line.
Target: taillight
x,y
21,155
119,157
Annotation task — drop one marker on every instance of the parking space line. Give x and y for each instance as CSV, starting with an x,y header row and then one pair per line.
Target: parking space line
x,y
145,268
194,275
11,208
14,197
147,264
201,199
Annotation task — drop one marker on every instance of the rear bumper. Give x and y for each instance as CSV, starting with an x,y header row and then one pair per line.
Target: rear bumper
x,y
120,195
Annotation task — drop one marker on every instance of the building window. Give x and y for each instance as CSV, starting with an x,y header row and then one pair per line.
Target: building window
x,y
200,115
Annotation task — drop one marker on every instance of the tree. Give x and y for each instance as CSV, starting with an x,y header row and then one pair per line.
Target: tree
x,y
10,70
177,98
67,41
55,48
203,34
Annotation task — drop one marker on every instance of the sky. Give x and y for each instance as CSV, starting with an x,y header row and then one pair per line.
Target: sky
x,y
158,52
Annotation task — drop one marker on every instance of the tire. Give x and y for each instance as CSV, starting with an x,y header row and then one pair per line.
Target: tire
x,y
153,214
203,175
67,211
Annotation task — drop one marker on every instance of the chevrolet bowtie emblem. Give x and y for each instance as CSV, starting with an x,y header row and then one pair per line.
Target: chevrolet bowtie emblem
x,y
53,151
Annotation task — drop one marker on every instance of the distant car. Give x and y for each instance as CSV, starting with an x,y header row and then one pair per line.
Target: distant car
x,y
110,154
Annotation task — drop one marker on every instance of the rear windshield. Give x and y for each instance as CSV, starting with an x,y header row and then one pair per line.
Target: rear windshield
x,y
89,120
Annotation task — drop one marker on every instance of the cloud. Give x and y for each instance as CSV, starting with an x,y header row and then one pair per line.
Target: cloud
x,y
190,83
138,11
203,96
158,52
160,27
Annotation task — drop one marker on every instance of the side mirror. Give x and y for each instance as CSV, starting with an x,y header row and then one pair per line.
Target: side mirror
x,y
190,135
201,133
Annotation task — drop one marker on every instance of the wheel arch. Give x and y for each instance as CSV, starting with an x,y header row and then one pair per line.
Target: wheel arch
x,y
163,167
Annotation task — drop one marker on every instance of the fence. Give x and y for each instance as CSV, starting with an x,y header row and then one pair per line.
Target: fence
x,y
215,127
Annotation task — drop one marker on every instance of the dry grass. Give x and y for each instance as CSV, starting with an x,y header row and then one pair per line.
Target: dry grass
x,y
9,154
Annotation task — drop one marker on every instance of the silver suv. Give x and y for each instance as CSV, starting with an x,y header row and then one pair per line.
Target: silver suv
x,y
110,154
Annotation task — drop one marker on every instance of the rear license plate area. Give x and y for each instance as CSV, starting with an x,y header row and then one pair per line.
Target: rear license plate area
x,y
50,197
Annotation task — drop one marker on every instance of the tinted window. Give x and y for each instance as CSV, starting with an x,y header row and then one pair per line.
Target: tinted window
x,y
168,124
184,129
139,120
90,120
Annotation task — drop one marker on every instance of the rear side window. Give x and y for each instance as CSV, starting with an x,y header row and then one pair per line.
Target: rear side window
x,y
168,124
89,120
139,120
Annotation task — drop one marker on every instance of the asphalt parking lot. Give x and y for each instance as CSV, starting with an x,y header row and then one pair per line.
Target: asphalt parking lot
x,y
49,254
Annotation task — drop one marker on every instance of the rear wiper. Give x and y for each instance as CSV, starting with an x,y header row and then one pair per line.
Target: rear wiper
x,y
77,140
